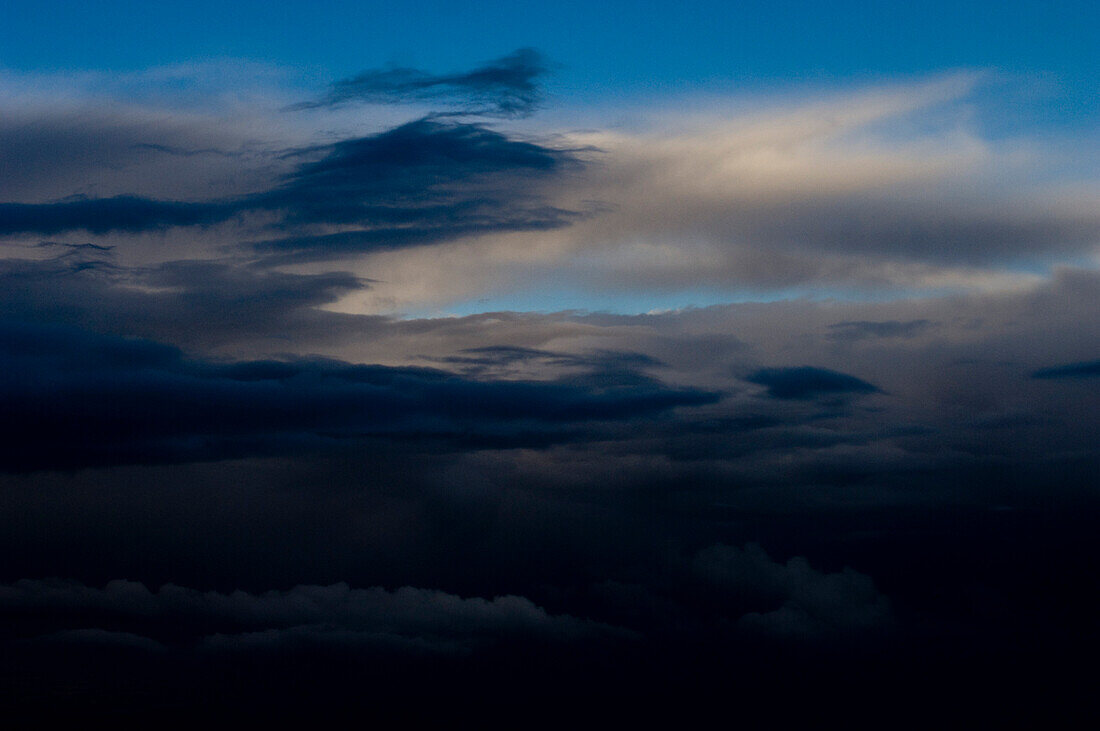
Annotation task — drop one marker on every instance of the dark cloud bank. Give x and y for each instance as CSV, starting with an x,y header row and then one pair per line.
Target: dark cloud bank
x,y
74,399
212,510
423,182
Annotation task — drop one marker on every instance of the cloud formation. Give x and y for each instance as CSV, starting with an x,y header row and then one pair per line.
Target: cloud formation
x,y
812,603
506,87
76,399
389,344
303,617
423,182
807,382
1087,369
872,190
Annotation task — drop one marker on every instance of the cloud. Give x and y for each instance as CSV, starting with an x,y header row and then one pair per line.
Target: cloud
x,y
867,329
876,189
807,382
510,359
422,182
101,149
812,603
74,398
101,638
506,87
879,189
308,617
204,305
1087,369
103,215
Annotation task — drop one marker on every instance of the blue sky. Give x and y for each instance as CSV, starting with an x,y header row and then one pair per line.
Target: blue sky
x,y
611,46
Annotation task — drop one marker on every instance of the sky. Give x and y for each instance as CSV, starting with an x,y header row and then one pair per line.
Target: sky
x,y
435,361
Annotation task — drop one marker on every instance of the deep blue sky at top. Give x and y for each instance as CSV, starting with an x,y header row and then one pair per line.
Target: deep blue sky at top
x,y
609,48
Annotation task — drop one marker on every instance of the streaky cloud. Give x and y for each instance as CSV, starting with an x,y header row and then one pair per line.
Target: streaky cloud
x,y
869,329
423,182
505,87
1086,369
406,619
77,399
125,213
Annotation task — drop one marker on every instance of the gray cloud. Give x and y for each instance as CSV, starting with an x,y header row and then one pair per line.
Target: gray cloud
x,y
866,329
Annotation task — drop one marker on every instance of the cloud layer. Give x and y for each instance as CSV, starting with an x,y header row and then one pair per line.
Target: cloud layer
x,y
720,397
506,87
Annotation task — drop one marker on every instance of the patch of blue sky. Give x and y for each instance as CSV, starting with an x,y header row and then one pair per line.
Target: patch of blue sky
x,y
602,48
627,302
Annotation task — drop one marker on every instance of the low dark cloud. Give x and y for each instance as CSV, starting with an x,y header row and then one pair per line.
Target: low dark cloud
x,y
812,604
807,382
198,305
506,87
1087,369
304,617
75,399
127,214
423,182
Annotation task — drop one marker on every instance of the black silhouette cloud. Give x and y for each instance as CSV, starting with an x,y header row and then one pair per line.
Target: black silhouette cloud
x,y
408,619
1086,369
128,214
422,182
506,87
806,382
74,399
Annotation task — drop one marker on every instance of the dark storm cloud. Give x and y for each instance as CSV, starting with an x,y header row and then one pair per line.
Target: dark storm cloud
x,y
725,594
128,214
423,182
1087,369
724,591
807,382
506,87
336,616
812,603
73,398
390,177
194,304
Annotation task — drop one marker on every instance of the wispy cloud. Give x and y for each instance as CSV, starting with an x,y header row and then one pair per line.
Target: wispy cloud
x,y
507,87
